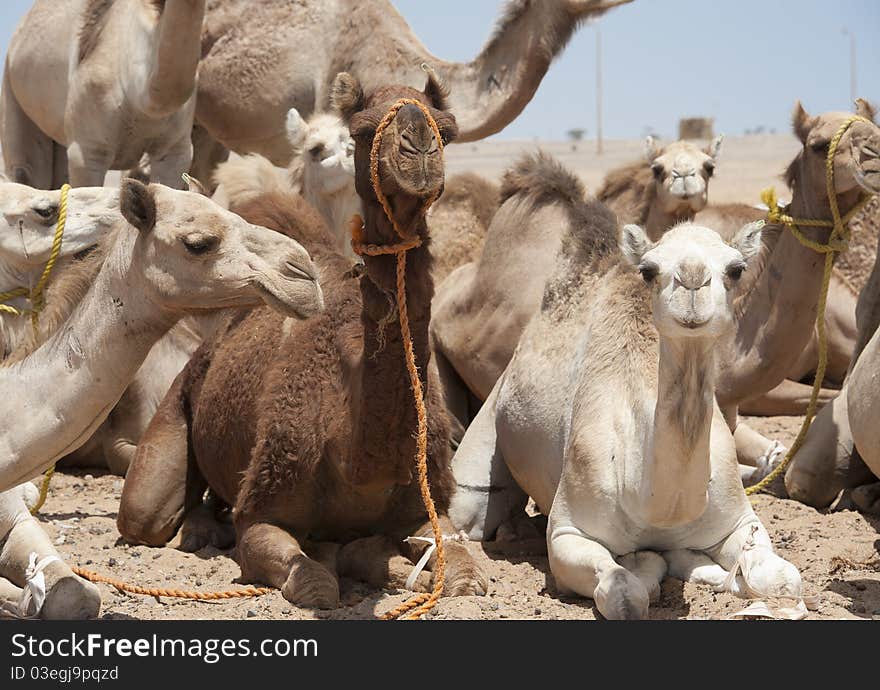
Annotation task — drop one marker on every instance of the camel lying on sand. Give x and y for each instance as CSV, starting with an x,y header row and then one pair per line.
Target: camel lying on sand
x,y
175,253
260,59
92,85
308,428
606,416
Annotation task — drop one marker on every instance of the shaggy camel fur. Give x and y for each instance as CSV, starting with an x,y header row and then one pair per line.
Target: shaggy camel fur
x,y
308,429
92,85
261,59
669,190
156,266
609,421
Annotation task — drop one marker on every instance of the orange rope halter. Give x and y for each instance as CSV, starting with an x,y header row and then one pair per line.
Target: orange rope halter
x,y
176,593
420,604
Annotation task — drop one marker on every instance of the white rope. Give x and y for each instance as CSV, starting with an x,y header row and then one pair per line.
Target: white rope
x,y
426,556
34,593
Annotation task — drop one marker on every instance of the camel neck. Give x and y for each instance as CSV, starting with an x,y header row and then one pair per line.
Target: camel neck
x,y
175,49
676,473
386,423
777,316
72,380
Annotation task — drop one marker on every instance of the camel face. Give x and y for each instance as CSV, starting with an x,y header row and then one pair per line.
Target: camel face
x,y
31,216
681,174
691,272
856,160
327,151
197,255
410,160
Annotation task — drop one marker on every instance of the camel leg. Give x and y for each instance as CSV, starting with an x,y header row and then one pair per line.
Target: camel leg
x,y
378,561
486,494
455,398
208,153
788,398
697,567
464,577
168,169
202,527
68,596
826,463
585,567
27,151
649,566
764,571
269,554
163,482
867,498
86,168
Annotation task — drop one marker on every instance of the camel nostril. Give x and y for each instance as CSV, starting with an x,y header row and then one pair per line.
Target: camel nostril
x,y
296,271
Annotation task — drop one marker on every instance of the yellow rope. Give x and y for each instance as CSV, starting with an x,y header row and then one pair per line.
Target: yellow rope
x,y
837,242
420,604
36,299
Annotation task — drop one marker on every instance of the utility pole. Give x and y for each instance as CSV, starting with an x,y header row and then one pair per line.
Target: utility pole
x,y
598,91
853,90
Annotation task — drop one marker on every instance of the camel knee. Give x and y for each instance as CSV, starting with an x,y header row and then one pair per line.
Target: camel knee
x,y
147,526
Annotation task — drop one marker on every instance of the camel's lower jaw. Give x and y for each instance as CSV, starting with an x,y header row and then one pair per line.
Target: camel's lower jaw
x,y
302,299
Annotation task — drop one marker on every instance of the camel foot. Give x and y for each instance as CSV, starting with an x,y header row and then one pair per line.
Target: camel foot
x,y
764,465
201,528
867,498
68,596
620,595
311,585
650,567
465,578
772,576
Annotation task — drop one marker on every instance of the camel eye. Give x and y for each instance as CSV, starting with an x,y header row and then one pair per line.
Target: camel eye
x,y
709,167
735,270
46,212
649,271
657,169
200,244
820,146
316,151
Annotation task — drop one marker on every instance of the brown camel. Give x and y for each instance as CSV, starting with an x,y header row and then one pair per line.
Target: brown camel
x,y
261,59
93,85
308,428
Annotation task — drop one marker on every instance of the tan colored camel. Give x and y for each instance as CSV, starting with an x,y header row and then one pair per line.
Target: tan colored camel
x,y
670,189
261,59
157,265
308,428
92,85
606,416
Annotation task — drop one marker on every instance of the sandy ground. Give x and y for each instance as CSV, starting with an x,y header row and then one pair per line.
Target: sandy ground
x,y
837,554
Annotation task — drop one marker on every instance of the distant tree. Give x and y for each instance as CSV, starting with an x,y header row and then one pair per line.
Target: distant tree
x,y
575,135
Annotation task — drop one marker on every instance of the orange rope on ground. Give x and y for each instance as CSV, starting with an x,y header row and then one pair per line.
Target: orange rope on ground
x,y
420,604
176,593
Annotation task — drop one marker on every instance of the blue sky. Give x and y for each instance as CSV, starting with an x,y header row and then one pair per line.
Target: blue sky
x,y
735,60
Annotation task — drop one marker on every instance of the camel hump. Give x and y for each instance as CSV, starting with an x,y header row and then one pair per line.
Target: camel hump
x,y
543,180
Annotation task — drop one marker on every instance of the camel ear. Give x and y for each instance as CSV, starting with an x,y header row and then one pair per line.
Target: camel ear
x,y
194,185
634,243
297,128
346,95
714,147
865,109
802,122
748,239
137,204
436,91
651,148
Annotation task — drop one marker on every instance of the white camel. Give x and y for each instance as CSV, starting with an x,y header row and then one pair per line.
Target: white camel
x,y
175,253
609,421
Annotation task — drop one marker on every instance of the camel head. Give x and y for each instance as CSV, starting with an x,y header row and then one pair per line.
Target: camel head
x,y
856,160
692,274
681,174
410,161
193,254
31,216
324,151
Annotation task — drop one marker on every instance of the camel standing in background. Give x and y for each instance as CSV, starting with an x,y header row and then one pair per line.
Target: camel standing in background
x,y
93,85
261,59
175,253
308,428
